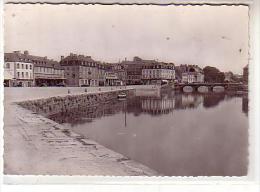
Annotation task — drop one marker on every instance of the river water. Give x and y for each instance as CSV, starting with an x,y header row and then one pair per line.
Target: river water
x,y
175,134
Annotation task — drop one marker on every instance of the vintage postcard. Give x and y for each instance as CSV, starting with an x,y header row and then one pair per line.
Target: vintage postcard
x,y
127,90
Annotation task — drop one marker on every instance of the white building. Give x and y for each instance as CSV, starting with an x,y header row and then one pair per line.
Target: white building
x,y
157,73
18,69
192,74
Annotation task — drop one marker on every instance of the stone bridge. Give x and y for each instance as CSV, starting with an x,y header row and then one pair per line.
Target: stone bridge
x,y
204,87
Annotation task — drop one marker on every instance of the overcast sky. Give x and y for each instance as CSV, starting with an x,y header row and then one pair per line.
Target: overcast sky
x,y
201,35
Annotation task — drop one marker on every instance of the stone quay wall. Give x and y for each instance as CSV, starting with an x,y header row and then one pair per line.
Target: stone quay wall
x,y
58,104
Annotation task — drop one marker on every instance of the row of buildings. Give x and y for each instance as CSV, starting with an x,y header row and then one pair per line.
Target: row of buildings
x,y
23,69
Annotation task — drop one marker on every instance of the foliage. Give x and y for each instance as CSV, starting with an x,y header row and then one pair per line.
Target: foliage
x,y
213,75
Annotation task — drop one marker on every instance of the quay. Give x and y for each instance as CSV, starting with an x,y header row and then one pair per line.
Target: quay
x,y
35,145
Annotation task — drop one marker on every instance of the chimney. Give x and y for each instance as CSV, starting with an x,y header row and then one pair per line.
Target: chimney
x,y
62,57
26,52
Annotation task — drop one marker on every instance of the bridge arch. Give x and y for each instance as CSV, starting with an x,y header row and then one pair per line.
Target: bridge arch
x,y
203,89
187,89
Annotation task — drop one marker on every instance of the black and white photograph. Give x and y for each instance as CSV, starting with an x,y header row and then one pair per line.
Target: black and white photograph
x,y
127,90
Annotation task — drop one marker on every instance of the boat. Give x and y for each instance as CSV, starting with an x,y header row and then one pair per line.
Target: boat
x,y
121,95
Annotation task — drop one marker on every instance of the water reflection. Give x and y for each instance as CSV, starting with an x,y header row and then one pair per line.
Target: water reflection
x,y
82,115
245,104
153,105
212,100
173,133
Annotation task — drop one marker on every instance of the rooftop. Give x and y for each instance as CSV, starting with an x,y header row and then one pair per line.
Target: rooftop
x,y
25,57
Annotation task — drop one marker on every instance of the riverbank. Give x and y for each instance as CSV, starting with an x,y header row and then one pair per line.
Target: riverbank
x,y
35,145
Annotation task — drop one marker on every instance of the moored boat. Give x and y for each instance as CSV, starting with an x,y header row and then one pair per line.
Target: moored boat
x,y
121,95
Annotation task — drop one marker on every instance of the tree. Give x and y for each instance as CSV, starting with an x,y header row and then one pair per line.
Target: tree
x,y
213,75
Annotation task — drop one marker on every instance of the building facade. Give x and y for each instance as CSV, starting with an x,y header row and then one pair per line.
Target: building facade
x,y
191,74
228,76
112,79
9,74
158,73
245,74
48,72
25,70
82,70
133,71
18,69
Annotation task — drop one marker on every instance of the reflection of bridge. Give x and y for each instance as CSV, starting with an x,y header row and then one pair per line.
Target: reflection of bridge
x,y
208,86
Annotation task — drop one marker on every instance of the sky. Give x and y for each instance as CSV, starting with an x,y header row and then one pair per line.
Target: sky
x,y
201,35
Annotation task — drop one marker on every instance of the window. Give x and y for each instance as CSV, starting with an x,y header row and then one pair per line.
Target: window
x,y
22,74
18,65
26,66
26,75
22,66
7,65
30,66
18,74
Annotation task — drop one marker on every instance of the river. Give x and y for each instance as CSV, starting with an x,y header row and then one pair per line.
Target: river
x,y
175,134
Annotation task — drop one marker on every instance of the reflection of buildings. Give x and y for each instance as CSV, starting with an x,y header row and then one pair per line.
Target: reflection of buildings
x,y
134,106
183,101
168,102
213,99
158,105
82,111
191,100
245,104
